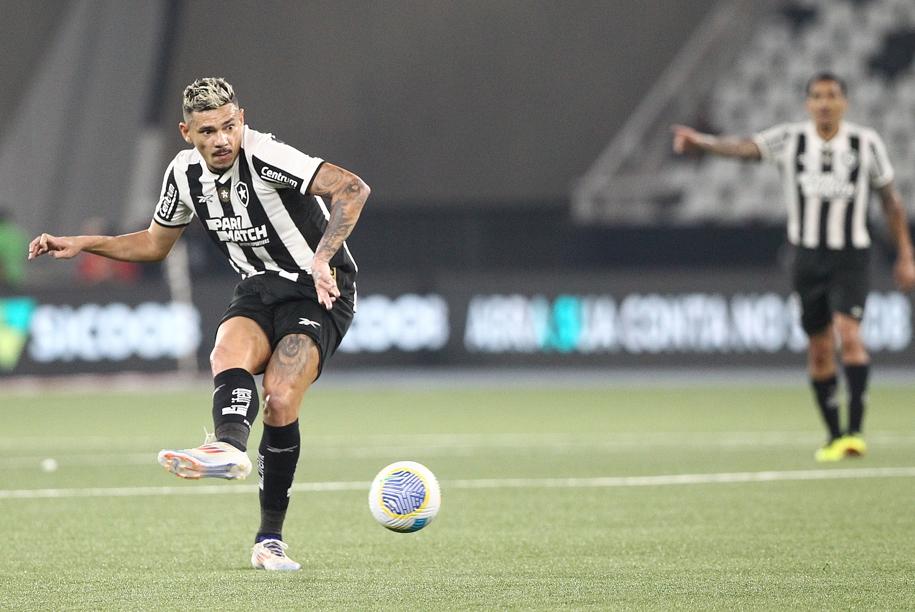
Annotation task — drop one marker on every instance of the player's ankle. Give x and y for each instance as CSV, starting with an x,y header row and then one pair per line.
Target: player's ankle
x,y
235,434
260,537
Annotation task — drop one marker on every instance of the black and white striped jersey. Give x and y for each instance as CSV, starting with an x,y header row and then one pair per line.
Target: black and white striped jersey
x,y
827,184
258,212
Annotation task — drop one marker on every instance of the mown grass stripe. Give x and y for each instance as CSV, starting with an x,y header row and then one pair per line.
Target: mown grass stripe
x,y
483,483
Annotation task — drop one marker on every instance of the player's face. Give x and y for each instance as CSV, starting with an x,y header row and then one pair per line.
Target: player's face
x,y
216,134
826,103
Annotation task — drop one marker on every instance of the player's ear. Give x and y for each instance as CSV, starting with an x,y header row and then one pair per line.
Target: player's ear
x,y
185,131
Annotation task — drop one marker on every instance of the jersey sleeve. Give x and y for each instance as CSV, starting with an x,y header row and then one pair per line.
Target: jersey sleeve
x,y
880,173
773,143
172,210
282,166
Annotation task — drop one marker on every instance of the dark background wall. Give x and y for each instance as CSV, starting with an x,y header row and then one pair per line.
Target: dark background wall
x,y
470,105
469,119
25,27
474,100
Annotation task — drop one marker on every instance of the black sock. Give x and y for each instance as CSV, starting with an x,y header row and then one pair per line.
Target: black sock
x,y
276,460
856,376
235,405
825,391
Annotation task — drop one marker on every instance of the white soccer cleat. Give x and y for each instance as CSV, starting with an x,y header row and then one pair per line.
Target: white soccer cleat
x,y
211,460
270,555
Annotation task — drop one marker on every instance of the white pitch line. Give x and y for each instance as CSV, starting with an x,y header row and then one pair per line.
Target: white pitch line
x,y
684,479
466,445
484,483
441,444
29,443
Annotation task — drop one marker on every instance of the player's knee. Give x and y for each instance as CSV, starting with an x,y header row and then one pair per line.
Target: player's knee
x,y
237,355
219,359
821,363
281,406
849,333
853,347
821,357
850,339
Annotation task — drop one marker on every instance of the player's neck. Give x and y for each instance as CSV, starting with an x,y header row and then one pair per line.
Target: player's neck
x,y
827,131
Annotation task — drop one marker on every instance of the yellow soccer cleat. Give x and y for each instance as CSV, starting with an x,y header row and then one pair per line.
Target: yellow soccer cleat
x,y
854,444
833,451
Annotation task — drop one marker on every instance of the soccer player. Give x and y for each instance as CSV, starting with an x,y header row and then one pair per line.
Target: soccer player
x,y
264,206
829,168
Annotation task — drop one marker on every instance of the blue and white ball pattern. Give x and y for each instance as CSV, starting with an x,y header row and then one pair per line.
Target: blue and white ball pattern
x,y
405,496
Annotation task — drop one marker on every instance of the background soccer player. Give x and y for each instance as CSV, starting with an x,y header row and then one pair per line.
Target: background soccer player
x,y
261,202
828,168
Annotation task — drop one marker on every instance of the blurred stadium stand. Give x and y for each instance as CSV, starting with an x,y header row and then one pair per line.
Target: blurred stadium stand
x,y
474,117
756,80
482,113
473,123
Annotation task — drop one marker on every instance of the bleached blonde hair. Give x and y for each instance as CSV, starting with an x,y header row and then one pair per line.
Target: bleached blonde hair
x,y
206,94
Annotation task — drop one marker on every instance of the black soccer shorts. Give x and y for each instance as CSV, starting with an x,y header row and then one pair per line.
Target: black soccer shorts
x,y
829,281
282,307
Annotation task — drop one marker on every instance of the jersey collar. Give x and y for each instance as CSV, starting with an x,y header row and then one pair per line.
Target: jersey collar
x,y
815,136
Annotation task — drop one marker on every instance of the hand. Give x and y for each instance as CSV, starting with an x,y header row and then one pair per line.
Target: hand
x,y
904,273
60,247
325,285
687,140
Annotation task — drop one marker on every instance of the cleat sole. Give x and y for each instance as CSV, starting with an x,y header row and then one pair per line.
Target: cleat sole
x,y
185,466
181,465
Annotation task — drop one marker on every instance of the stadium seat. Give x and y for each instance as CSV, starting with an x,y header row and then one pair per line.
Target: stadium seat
x,y
765,86
840,37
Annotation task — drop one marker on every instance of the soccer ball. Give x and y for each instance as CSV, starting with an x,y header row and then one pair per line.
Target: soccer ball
x,y
405,496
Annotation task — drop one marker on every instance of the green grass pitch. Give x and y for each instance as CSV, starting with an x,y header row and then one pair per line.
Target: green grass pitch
x,y
552,499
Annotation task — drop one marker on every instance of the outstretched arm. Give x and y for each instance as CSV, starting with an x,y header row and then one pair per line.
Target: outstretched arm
x,y
152,244
904,270
688,140
347,193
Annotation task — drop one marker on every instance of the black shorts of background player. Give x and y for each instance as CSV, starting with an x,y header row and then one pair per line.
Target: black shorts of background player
x,y
829,168
280,218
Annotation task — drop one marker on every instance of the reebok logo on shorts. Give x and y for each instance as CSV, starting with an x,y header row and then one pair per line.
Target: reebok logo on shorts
x,y
309,322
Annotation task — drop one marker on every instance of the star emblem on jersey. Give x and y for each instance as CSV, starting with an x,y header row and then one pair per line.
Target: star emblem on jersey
x,y
224,195
242,190
309,323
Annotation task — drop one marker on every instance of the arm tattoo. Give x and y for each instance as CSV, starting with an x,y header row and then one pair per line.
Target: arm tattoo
x,y
348,194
